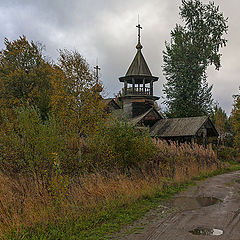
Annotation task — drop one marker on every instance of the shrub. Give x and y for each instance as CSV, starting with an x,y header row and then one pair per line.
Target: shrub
x,y
28,143
118,145
228,154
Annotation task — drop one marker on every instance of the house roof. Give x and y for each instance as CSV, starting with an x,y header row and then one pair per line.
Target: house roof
x,y
178,127
141,117
111,102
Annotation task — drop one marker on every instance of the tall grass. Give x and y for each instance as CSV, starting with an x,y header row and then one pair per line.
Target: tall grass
x,y
179,162
28,200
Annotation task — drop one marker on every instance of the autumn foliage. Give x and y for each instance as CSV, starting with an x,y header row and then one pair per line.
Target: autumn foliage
x,y
45,108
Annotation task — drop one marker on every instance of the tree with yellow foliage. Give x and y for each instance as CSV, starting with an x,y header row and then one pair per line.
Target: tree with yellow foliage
x,y
236,121
76,95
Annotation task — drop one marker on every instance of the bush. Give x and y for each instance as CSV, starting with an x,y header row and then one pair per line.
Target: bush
x,y
228,154
118,145
29,145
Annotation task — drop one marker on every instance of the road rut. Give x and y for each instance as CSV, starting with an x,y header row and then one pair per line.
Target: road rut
x,y
213,203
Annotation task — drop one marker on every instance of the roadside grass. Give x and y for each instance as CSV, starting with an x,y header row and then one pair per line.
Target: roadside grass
x,y
94,204
107,218
229,167
104,222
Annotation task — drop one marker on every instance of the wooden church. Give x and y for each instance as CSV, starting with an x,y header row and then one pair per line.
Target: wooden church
x,y
138,105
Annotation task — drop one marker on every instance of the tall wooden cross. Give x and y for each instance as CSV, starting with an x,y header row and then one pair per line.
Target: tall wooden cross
x,y
97,72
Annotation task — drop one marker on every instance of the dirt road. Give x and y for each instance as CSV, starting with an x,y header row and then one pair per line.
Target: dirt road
x,y
194,214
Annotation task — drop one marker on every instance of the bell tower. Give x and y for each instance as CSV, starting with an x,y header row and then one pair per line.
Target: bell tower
x,y
137,94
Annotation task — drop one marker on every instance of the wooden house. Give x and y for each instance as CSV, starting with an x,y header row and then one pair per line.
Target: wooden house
x,y
194,129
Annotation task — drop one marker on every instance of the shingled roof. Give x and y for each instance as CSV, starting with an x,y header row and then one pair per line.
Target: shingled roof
x,y
138,66
152,112
180,127
111,103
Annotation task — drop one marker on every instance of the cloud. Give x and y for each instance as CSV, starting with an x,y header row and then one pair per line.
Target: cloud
x,y
106,30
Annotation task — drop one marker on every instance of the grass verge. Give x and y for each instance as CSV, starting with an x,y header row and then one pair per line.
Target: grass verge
x,y
108,218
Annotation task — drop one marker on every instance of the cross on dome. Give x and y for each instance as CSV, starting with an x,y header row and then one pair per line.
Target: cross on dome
x,y
139,45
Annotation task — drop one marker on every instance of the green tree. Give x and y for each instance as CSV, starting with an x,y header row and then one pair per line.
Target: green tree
x,y
236,121
24,75
220,119
193,48
222,123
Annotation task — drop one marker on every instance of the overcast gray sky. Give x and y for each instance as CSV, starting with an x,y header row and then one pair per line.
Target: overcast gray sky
x,y
106,30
